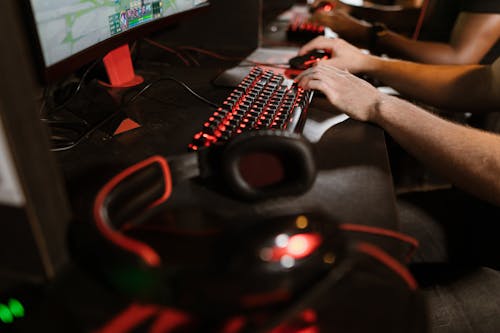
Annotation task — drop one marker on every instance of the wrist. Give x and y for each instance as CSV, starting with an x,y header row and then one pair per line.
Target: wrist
x,y
371,64
380,108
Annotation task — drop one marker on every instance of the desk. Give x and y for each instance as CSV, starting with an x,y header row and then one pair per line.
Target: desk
x,y
354,185
354,182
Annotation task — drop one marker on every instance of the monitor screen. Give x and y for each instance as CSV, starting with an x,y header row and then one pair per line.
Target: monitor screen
x,y
67,28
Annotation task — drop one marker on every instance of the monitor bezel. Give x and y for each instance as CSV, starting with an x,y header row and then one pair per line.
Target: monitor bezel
x,y
67,66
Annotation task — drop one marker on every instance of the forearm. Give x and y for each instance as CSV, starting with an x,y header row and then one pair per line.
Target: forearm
x,y
468,87
468,157
397,6
399,19
396,45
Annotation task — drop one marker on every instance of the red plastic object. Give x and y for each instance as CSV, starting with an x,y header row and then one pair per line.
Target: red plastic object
x,y
118,64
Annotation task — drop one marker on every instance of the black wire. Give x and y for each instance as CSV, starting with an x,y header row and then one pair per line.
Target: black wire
x,y
77,90
88,132
171,78
228,58
127,103
212,54
217,56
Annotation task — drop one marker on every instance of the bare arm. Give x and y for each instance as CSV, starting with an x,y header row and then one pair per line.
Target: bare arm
x,y
471,87
468,157
472,37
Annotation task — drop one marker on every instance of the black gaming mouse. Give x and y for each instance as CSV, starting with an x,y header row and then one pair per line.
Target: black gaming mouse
x,y
213,264
309,59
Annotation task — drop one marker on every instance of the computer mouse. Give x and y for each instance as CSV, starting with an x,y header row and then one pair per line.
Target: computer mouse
x,y
263,263
324,6
309,59
218,265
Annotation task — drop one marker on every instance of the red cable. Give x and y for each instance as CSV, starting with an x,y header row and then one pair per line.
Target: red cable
x,y
129,318
192,58
383,232
170,320
421,17
168,49
101,219
234,325
210,53
390,262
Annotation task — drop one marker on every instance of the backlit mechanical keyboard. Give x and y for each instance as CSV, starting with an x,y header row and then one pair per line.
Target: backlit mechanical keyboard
x,y
262,100
300,30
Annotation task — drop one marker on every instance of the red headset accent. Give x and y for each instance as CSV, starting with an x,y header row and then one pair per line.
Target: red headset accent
x,y
380,255
101,219
163,319
383,232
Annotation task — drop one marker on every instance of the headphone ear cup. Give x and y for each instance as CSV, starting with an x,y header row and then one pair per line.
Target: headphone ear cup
x,y
268,163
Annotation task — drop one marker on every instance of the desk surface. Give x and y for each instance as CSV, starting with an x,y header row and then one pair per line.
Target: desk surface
x,y
354,182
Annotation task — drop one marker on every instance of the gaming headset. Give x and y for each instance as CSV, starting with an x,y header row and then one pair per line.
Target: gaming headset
x,y
254,165
198,260
215,267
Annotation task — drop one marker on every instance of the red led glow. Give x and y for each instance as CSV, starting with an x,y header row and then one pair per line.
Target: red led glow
x,y
327,8
305,322
299,246
234,325
240,113
302,245
309,63
162,320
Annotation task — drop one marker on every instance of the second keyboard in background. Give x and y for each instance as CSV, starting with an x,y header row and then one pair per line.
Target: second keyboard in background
x,y
302,31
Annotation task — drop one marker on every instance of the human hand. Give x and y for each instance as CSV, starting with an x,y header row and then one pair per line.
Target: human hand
x,y
354,30
344,55
348,93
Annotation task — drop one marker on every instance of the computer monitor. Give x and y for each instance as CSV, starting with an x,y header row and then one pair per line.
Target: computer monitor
x,y
72,33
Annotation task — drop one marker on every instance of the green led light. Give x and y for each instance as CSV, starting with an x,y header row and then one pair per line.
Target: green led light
x,y
5,315
16,308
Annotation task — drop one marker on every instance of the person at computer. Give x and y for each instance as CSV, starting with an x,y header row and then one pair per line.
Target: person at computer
x,y
414,80
401,15
453,32
470,158
458,233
